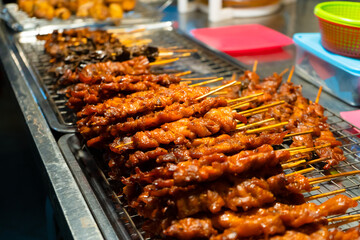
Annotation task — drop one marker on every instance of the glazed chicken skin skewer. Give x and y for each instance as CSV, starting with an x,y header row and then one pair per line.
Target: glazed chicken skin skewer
x,y
302,116
110,86
318,232
170,113
262,221
95,71
72,50
227,193
223,144
180,132
209,168
118,112
118,109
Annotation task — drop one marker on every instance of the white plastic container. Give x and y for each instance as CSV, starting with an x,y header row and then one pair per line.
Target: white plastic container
x,y
216,11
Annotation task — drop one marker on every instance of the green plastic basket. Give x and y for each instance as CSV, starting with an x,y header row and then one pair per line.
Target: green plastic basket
x,y
346,13
339,24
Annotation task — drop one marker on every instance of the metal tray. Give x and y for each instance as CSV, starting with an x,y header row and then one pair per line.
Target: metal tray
x,y
205,62
20,21
90,172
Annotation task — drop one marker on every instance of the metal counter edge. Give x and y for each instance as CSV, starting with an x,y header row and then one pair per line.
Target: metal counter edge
x,y
70,204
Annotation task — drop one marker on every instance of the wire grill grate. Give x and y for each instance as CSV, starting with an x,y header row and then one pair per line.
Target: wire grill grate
x,y
344,131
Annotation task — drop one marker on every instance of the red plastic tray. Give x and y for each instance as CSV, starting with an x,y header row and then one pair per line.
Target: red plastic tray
x,y
242,39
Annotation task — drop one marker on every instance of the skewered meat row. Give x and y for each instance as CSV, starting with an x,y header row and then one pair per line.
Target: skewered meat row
x,y
302,116
77,62
222,144
262,221
170,113
92,73
315,231
231,194
84,44
211,167
319,232
57,43
72,50
182,153
180,132
111,86
117,109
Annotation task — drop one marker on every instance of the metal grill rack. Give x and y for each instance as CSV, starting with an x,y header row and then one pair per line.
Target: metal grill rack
x,y
75,152
205,62
109,210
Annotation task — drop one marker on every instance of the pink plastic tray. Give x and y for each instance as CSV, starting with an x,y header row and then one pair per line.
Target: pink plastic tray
x,y
242,39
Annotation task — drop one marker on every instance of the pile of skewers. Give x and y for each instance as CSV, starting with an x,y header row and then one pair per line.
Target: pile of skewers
x,y
64,9
200,162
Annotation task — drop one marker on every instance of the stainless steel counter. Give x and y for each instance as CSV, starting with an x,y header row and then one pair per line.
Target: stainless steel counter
x,y
74,216
72,207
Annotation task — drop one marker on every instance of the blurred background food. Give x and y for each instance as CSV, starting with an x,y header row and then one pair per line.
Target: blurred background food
x,y
64,9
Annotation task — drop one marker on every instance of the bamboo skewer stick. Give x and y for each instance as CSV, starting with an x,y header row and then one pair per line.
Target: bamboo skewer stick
x,y
312,161
136,42
216,90
182,74
165,54
321,195
317,160
312,189
283,72
294,148
254,124
124,31
290,74
355,217
185,50
306,170
255,66
299,133
124,144
329,177
310,149
239,105
238,83
162,62
318,95
186,82
266,127
197,78
245,97
292,164
253,113
183,55
356,198
263,107
222,93
348,217
294,159
206,82
234,76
